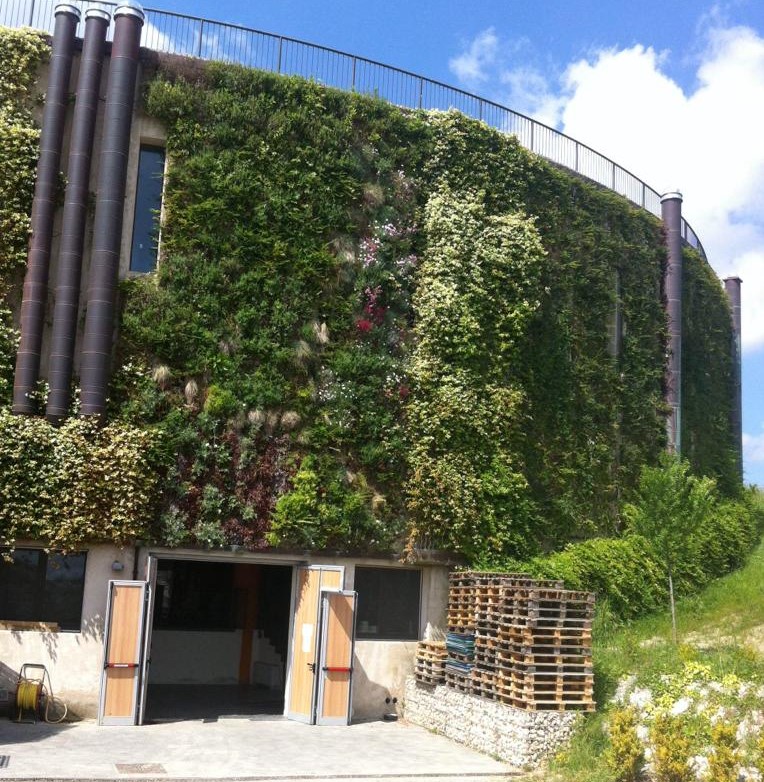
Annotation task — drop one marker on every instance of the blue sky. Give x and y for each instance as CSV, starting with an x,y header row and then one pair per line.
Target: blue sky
x,y
673,91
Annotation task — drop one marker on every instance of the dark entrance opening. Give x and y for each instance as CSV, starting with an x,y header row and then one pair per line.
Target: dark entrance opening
x,y
219,640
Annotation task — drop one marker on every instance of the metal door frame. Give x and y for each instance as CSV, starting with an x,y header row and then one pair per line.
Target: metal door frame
x,y
324,619
311,720
152,563
102,719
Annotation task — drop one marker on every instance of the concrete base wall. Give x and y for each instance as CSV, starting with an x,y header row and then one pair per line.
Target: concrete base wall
x,y
524,739
74,660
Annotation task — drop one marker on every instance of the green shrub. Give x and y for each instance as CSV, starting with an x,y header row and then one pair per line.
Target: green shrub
x,y
629,572
623,571
625,755
671,750
723,763
77,482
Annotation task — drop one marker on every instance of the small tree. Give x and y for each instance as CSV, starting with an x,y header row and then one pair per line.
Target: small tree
x,y
670,507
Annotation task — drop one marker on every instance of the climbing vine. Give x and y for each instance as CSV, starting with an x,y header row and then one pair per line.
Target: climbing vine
x,y
75,483
478,287
373,329
21,53
707,376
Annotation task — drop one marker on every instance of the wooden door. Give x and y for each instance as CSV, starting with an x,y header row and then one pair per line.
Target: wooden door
x,y
123,647
336,668
301,699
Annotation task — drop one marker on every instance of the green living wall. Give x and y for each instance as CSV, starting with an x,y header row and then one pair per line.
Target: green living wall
x,y
372,328
378,330
21,54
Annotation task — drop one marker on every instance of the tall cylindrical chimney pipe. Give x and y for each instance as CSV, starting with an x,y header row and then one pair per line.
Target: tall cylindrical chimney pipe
x,y
64,330
732,287
43,209
107,224
671,212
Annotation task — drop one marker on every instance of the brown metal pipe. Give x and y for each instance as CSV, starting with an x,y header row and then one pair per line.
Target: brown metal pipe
x,y
107,224
671,212
64,330
34,297
732,287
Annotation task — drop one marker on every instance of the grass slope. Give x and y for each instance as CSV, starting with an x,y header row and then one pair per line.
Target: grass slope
x,y
723,627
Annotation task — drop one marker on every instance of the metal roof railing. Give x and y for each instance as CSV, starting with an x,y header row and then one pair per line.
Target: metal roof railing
x,y
173,33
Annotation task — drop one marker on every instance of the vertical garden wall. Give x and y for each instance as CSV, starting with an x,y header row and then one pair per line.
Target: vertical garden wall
x,y
381,331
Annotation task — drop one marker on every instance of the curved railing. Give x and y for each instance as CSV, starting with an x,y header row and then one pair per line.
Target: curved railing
x,y
173,33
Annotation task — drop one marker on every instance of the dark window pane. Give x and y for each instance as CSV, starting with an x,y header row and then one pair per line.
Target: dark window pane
x,y
388,603
195,596
148,200
40,587
64,586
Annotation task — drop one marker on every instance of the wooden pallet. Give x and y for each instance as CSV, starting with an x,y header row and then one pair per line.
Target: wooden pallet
x,y
459,683
431,681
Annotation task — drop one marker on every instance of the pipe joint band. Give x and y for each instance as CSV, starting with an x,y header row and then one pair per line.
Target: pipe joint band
x,y
67,8
130,8
98,13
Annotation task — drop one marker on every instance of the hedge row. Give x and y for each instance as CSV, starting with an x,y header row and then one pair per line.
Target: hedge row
x,y
627,574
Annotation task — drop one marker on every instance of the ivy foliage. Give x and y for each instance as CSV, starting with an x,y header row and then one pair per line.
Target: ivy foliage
x,y
21,54
478,287
592,409
277,321
707,375
75,483
370,326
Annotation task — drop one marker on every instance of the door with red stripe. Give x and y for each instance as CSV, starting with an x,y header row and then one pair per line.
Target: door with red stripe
x,y
335,687
123,642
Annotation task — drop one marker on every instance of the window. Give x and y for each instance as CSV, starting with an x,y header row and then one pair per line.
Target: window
x,y
388,603
148,202
36,586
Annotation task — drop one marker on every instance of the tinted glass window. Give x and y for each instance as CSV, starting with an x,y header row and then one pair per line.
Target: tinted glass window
x,y
388,603
148,201
39,587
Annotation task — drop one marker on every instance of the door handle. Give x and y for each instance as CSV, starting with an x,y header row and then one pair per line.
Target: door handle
x,y
312,667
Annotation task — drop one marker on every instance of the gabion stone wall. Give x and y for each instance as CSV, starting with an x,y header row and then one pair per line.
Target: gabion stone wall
x,y
521,738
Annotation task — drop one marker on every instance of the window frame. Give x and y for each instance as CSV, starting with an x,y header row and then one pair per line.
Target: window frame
x,y
43,588
390,569
155,146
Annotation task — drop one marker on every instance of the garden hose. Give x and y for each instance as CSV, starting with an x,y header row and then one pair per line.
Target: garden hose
x,y
27,695
29,692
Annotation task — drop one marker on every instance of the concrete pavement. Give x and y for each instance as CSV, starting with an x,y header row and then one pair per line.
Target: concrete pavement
x,y
257,748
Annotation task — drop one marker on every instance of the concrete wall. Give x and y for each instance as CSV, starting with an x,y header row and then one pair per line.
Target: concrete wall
x,y
215,658
74,660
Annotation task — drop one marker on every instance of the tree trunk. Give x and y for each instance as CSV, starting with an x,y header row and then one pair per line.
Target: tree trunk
x,y
673,608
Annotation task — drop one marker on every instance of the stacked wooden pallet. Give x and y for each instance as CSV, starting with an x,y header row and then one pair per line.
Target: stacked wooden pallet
x,y
532,641
544,653
460,639
430,662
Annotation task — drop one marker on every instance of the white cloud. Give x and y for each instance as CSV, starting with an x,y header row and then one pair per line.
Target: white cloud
x,y
529,93
473,65
154,38
705,142
753,448
488,64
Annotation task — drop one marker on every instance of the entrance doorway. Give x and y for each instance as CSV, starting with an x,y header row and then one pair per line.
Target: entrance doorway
x,y
220,638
